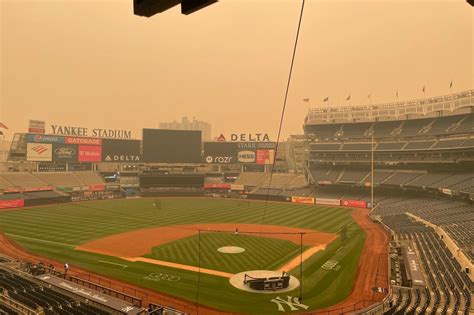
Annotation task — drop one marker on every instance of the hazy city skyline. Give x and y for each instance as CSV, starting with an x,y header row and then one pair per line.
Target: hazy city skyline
x,y
94,64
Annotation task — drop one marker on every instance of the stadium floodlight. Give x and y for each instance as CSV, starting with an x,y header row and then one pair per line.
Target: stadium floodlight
x,y
148,8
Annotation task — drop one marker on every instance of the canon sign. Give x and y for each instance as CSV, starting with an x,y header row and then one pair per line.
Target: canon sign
x,y
251,137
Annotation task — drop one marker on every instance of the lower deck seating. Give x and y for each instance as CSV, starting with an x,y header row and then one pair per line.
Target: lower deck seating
x,y
33,295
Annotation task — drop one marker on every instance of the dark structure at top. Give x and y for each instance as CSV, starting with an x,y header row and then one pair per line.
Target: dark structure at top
x,y
149,8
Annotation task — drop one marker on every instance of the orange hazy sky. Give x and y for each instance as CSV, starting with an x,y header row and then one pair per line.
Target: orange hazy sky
x,y
94,64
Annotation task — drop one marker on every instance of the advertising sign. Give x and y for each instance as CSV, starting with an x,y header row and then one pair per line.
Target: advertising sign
x,y
220,152
39,152
246,156
64,152
239,152
237,187
265,157
328,201
354,203
255,145
36,126
306,200
44,138
33,189
114,150
251,137
89,153
15,203
217,186
83,141
97,187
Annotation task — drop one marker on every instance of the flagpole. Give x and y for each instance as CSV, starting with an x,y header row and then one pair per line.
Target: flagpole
x,y
452,96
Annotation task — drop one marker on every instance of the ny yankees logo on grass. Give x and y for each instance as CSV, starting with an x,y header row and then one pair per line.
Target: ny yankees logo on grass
x,y
292,302
162,276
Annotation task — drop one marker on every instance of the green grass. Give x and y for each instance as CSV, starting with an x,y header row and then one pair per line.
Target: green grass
x,y
260,253
54,231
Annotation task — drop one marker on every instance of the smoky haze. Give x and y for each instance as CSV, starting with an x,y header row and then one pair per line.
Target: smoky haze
x,y
94,64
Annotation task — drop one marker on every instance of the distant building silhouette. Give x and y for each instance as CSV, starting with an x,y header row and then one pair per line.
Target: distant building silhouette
x,y
187,124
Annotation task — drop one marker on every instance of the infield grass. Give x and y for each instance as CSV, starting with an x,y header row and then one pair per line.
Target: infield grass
x,y
260,253
54,231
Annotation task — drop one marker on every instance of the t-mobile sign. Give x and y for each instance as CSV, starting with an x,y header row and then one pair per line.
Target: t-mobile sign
x,y
89,153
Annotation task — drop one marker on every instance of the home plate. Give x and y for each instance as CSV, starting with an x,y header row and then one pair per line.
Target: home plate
x,y
231,250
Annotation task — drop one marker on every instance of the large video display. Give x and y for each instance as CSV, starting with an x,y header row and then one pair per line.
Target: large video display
x,y
171,146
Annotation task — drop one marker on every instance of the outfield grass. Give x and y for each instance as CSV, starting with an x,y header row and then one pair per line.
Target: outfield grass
x,y
54,231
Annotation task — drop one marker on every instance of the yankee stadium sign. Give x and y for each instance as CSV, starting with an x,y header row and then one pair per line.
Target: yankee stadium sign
x,y
95,132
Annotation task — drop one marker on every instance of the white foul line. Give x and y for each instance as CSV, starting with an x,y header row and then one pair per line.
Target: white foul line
x,y
111,263
38,240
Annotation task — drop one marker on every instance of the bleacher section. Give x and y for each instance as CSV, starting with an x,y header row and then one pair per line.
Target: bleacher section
x,y
387,129
429,179
390,146
60,179
355,130
441,125
402,178
279,181
22,180
419,145
45,179
455,124
353,175
325,174
89,178
413,145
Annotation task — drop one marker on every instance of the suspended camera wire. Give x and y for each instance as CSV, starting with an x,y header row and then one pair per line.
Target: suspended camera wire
x,y
282,114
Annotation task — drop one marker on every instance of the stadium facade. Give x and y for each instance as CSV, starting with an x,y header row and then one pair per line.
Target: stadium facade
x,y
410,163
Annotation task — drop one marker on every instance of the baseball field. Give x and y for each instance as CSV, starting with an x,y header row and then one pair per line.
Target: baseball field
x,y
174,247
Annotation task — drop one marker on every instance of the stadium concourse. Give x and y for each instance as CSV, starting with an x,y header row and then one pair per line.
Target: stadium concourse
x,y
409,176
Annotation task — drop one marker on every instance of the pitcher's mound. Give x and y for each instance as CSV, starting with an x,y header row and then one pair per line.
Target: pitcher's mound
x,y
237,280
231,250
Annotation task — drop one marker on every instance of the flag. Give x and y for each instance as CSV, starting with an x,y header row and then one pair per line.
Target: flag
x,y
451,84
3,126
368,95
397,94
348,98
305,99
326,99
423,89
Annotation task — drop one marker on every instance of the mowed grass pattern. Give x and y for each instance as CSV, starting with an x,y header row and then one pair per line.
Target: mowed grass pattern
x,y
260,252
54,231
77,223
